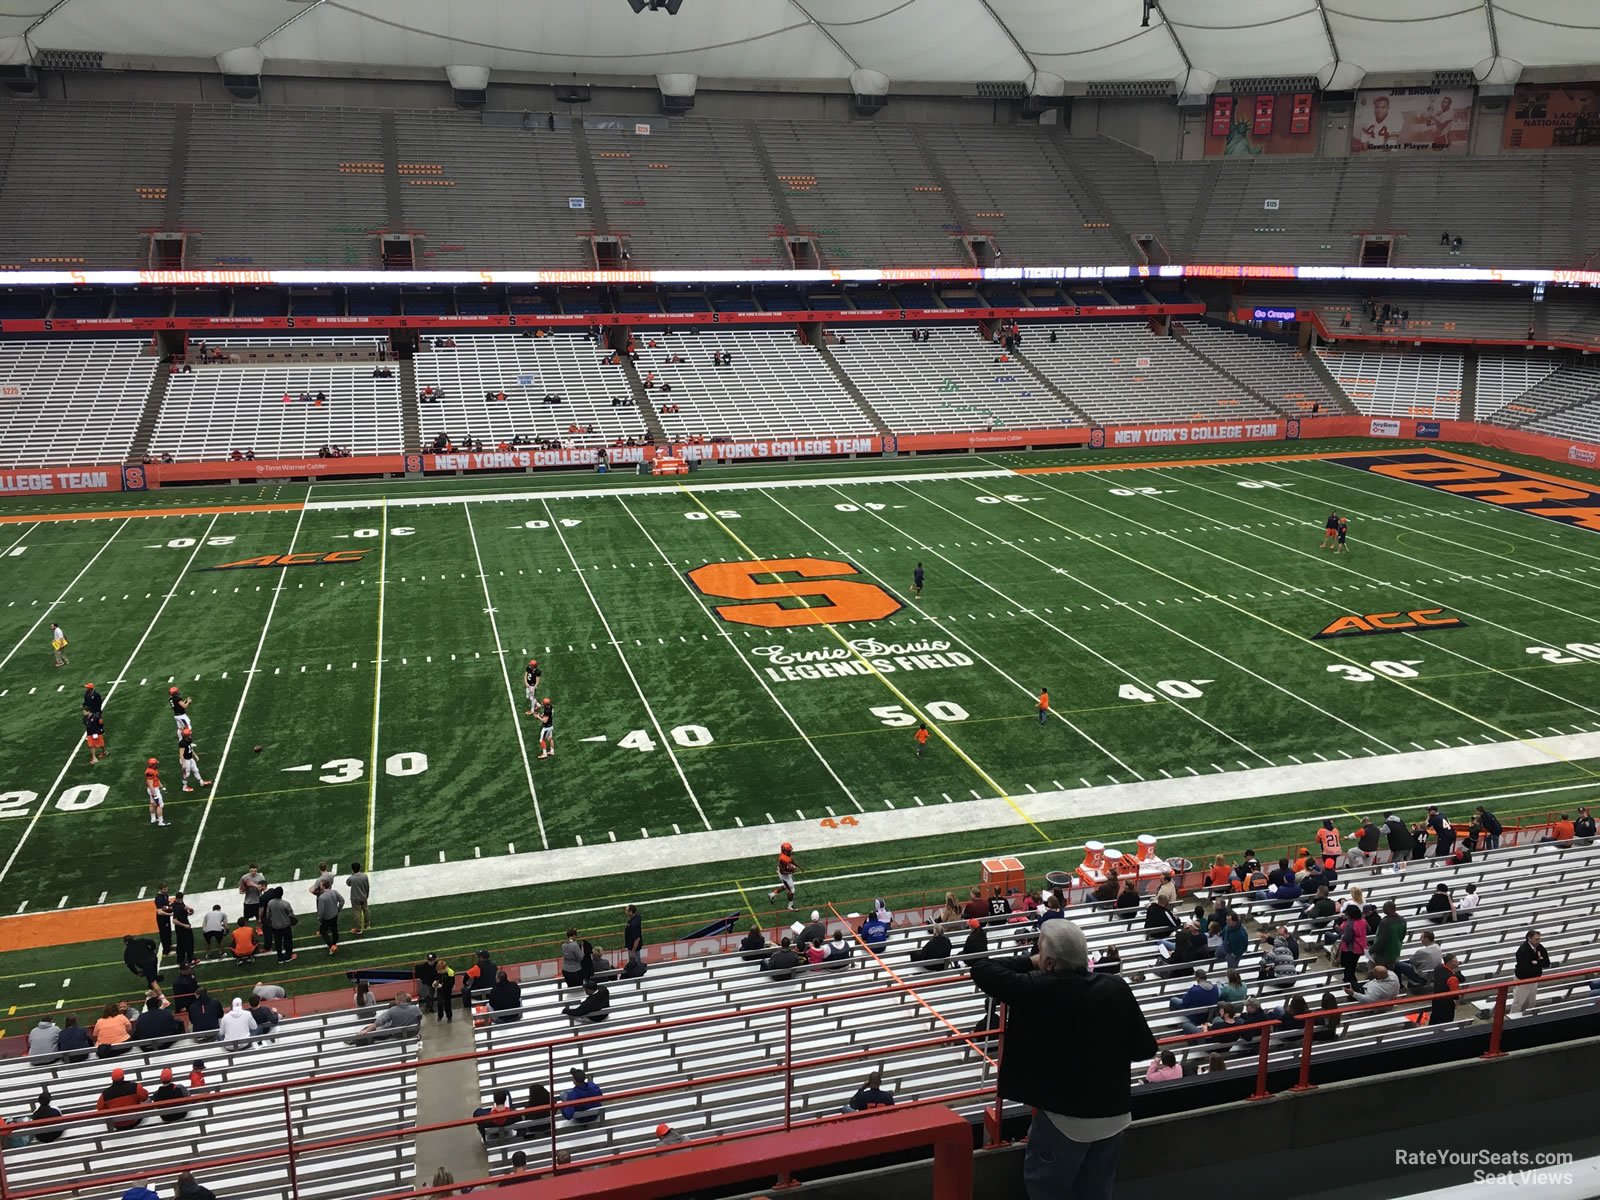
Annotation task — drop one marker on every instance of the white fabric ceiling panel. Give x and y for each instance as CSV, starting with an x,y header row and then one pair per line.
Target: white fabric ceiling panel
x,y
1273,37
921,39
763,39
1083,40
17,15
1413,35
1549,32
162,28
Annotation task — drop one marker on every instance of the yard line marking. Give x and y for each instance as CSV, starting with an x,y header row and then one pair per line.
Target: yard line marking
x,y
511,696
72,755
661,734
49,608
732,645
1083,645
377,686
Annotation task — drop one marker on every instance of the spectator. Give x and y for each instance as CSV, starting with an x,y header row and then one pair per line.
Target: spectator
x,y
280,920
754,946
205,1016
1235,941
1127,905
572,960
1447,982
237,1028
782,961
595,1006
366,1003
1390,937
263,1017
1234,991
1109,963
1163,1068
1444,833
1532,960
537,1120
581,1102
139,956
1490,824
1398,837
43,1110
875,930
425,973
122,1093
1320,912
76,1042
1382,985
478,978
496,1118
870,1094
812,931
633,933
1219,876
1327,1025
1279,955
668,1137
1224,1026
1159,920
111,1032
1467,906
402,1017
976,907
505,1000
44,1040
1441,910
1079,1086
1352,943
189,1188
837,952
1583,828
184,989
168,1092
1425,960
933,954
1196,1003
156,1027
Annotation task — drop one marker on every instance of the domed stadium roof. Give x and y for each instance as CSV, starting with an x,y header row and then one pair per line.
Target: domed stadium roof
x,y
1040,44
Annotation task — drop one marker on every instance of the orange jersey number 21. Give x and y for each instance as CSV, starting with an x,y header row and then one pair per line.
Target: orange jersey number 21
x,y
828,601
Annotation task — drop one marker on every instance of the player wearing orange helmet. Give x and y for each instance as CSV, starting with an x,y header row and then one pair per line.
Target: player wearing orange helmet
x,y
787,869
152,787
530,684
180,710
547,728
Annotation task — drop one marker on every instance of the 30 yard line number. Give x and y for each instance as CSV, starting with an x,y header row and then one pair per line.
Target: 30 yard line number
x,y
1401,669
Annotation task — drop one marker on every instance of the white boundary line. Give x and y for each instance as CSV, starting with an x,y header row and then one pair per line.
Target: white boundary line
x,y
666,742
377,689
660,489
111,691
238,713
739,654
54,604
998,670
26,530
511,696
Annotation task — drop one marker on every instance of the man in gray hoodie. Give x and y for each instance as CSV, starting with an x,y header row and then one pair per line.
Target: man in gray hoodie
x,y
330,903
43,1039
280,925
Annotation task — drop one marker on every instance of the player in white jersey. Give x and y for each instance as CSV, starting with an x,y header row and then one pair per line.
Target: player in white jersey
x,y
530,684
190,761
152,788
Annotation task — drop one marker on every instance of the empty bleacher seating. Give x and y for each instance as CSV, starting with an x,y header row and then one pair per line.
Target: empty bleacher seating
x,y
1278,371
1565,403
80,400
1398,385
1502,380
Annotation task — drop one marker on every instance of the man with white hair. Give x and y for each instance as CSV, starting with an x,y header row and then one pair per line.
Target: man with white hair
x,y
1077,1083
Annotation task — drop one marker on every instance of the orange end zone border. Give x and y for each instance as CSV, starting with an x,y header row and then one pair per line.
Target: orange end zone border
x,y
103,922
202,511
1235,460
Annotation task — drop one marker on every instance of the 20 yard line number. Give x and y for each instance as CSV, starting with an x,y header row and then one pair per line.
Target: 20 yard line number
x,y
74,799
1581,650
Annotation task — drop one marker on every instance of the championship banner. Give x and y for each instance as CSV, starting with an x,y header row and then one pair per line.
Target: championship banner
x,y
1546,116
1270,123
1189,435
1435,119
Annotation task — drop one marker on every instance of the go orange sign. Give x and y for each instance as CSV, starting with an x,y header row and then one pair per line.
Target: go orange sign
x,y
823,592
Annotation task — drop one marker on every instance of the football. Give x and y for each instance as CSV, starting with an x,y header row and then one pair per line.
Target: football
x,y
257,749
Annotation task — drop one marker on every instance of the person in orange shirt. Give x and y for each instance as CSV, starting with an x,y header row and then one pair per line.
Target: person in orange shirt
x,y
1044,704
787,869
152,787
242,941
922,738
1328,843
111,1032
1220,873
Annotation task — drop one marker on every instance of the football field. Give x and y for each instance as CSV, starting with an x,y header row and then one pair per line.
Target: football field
x,y
741,657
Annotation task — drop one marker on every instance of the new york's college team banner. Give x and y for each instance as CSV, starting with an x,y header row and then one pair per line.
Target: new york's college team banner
x,y
59,480
1113,436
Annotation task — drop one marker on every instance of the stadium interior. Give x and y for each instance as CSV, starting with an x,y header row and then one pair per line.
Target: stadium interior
x,y
408,247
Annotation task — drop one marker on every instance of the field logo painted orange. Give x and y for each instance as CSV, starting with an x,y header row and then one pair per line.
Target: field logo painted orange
x,y
1567,501
1418,620
302,558
827,600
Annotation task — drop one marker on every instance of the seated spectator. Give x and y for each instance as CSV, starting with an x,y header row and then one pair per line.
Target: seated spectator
x,y
1127,902
1108,963
1381,985
874,930
43,1110
754,946
668,1137
366,1004
496,1118
44,1039
1282,895
976,907
265,1019
1224,1026
1321,911
236,1027
505,999
1159,920
1467,906
837,952
1424,961
205,1016
815,953
1219,875
1440,909
933,954
156,1026
122,1093
812,931
1234,990
189,1188
1327,1025
184,989
782,961
400,1018
169,1091
1279,955
1164,1066
582,1100
1196,1003
537,1119
595,1005
870,1095
111,1032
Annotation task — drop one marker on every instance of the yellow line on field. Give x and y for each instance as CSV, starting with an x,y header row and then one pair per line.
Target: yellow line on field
x,y
745,898
879,676
377,684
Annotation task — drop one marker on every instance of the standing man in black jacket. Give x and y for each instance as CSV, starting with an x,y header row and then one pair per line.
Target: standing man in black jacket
x,y
1077,1082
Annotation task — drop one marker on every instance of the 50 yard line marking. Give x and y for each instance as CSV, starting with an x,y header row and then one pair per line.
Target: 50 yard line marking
x,y
377,687
238,713
665,741
44,801
511,696
752,556
56,603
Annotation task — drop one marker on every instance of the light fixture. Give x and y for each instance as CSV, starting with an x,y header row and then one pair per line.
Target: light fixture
x,y
670,7
1149,7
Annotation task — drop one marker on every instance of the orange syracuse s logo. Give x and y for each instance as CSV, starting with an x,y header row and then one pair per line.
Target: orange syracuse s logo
x,y
818,597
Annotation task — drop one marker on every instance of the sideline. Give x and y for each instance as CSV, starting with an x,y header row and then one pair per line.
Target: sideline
x,y
205,510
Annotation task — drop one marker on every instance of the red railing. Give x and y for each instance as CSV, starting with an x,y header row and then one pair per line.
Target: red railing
x,y
293,1151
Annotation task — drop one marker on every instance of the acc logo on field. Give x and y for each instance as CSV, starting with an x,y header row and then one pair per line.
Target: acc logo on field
x,y
827,601
1418,620
302,558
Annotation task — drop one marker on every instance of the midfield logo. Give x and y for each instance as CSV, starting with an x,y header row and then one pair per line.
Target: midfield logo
x,y
302,558
1418,620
